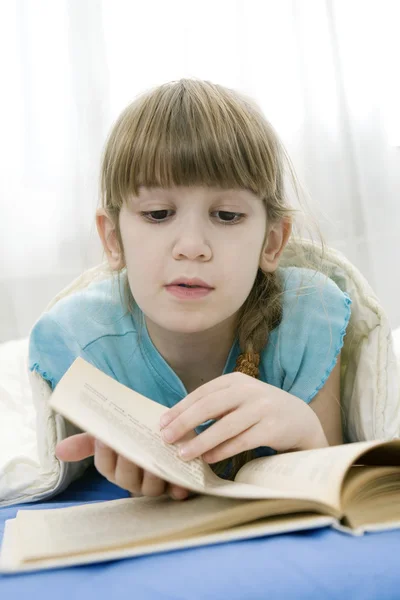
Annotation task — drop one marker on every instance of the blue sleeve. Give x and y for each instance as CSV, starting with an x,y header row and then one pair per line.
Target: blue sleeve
x,y
52,349
310,337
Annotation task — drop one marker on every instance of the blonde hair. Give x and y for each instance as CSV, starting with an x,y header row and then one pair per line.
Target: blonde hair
x,y
194,132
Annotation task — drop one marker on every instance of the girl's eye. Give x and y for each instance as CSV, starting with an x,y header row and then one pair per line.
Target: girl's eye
x,y
228,218
156,216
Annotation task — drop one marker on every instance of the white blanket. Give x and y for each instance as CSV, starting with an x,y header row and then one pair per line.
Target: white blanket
x,y
29,430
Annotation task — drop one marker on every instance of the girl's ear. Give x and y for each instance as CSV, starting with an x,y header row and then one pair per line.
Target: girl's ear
x,y
108,236
277,238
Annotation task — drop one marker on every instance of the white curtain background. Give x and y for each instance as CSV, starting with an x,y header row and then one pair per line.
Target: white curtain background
x,y
325,73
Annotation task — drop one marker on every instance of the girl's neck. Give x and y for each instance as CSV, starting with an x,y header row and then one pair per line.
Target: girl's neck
x,y
196,358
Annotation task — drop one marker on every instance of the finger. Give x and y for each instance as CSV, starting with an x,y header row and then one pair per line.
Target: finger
x,y
213,406
128,475
225,429
76,447
177,492
152,485
214,385
105,461
240,443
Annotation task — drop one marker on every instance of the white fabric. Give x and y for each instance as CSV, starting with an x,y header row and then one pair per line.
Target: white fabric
x,y
370,394
30,431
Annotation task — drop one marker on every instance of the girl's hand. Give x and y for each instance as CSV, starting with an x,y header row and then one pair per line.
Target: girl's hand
x,y
116,468
249,413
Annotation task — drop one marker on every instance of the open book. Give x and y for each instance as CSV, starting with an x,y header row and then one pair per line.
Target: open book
x,y
352,487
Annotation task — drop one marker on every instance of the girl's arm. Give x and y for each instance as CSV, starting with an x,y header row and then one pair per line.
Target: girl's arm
x,y
326,405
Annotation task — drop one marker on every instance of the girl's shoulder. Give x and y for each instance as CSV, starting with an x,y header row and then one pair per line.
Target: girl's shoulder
x,y
303,349
306,291
91,312
75,326
308,286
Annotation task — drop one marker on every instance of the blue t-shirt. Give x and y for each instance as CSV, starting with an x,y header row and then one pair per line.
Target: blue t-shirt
x,y
93,323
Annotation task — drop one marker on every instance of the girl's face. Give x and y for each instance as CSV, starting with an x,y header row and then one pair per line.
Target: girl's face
x,y
192,232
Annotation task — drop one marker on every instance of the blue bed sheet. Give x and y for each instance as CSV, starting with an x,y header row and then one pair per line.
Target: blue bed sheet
x,y
319,564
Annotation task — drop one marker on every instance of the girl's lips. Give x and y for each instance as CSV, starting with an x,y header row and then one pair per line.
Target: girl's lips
x,y
194,281
185,293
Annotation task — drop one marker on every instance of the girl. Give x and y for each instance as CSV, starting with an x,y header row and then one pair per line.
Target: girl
x,y
194,220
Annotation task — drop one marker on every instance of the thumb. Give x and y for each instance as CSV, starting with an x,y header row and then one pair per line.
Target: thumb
x,y
76,447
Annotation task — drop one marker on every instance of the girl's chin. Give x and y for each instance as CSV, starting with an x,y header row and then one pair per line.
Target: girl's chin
x,y
185,324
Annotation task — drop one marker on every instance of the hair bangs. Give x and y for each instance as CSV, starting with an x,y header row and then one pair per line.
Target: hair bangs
x,y
188,133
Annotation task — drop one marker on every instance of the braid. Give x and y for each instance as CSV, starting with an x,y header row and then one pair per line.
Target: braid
x,y
261,313
248,364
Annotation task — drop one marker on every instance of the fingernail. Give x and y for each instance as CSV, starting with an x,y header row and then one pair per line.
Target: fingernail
x,y
165,419
183,452
178,495
167,435
99,445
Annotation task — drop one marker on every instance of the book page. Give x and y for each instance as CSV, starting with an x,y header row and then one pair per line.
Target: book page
x,y
321,471
371,497
122,522
134,521
12,562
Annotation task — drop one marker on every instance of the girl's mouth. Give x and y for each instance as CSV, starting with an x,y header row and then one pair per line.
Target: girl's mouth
x,y
188,292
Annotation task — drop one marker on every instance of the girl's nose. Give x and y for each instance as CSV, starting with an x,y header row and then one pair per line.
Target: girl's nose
x,y
192,246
